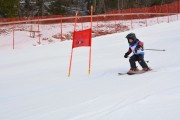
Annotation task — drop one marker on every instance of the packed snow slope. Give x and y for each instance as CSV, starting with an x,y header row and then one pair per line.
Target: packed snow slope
x,y
34,82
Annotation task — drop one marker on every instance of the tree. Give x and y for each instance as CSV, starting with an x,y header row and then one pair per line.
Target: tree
x,y
98,6
40,4
57,7
8,8
27,8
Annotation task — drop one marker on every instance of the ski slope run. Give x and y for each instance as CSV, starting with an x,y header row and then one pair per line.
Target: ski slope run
x,y
34,84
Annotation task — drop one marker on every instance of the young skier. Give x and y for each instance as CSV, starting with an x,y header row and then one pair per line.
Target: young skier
x,y
136,47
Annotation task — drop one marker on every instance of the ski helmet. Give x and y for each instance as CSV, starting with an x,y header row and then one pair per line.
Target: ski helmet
x,y
131,36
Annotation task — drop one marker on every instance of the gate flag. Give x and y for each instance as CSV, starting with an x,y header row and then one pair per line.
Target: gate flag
x,y
82,38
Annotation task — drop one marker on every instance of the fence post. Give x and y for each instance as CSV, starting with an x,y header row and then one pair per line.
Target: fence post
x,y
157,15
97,25
114,20
167,7
39,31
13,38
131,19
145,16
60,36
178,10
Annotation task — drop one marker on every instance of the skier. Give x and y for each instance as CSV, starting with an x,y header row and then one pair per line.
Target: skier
x,y
136,47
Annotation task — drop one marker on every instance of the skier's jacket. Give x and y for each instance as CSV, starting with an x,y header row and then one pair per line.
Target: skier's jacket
x,y
136,48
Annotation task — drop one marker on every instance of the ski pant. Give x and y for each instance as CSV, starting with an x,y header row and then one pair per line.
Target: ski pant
x,y
140,59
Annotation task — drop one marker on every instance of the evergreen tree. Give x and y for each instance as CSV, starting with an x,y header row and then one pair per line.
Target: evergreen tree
x,y
57,7
26,9
13,8
8,8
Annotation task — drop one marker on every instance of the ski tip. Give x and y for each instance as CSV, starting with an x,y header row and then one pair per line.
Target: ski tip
x,y
122,73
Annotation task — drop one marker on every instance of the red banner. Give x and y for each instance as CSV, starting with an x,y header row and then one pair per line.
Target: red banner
x,y
82,38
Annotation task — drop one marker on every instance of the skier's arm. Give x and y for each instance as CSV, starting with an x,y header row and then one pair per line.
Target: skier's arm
x,y
129,50
140,44
127,53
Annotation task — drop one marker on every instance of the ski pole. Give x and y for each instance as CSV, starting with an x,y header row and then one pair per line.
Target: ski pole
x,y
156,49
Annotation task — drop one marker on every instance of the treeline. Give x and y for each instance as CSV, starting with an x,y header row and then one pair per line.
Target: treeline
x,y
26,8
108,5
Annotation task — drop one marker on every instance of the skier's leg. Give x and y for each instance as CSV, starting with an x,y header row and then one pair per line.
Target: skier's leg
x,y
132,61
142,62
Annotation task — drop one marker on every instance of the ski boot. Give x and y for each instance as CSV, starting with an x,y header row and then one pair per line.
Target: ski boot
x,y
133,70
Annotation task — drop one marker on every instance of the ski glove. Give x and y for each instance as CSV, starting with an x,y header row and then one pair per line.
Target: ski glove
x,y
126,55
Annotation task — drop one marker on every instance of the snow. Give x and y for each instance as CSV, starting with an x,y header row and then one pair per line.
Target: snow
x,y
34,82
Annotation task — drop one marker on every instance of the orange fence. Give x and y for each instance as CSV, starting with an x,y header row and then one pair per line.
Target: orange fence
x,y
48,29
165,8
148,12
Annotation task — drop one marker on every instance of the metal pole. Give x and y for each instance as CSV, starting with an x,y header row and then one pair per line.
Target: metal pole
x,y
156,49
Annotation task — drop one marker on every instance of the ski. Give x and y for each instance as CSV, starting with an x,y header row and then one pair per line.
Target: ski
x,y
134,73
140,72
130,73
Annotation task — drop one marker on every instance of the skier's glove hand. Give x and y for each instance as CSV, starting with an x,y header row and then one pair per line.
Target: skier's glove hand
x,y
126,55
137,48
